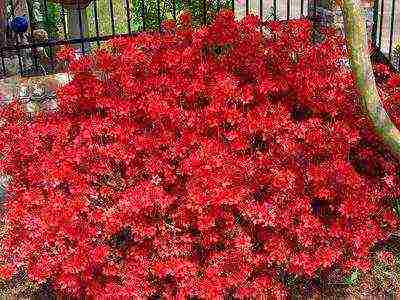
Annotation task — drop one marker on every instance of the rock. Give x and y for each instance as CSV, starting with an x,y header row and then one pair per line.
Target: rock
x,y
33,90
40,35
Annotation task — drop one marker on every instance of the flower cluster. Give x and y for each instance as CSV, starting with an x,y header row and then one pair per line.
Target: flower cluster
x,y
198,162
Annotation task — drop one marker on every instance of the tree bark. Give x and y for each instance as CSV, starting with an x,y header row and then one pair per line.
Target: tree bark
x,y
357,48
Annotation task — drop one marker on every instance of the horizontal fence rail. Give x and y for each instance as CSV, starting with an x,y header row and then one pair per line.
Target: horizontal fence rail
x,y
32,30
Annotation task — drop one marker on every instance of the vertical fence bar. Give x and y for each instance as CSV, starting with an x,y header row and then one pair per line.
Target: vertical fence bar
x,y
112,17
204,12
64,23
380,24
3,21
219,5
302,7
288,10
391,29
315,9
128,16
96,23
81,27
261,10
247,7
30,13
274,4
50,47
233,6
18,50
174,9
3,65
375,25
158,15
143,17
3,25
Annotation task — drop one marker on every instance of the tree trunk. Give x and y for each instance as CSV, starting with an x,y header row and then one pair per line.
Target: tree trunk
x,y
357,47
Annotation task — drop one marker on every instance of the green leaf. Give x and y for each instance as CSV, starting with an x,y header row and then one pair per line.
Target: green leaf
x,y
352,278
396,205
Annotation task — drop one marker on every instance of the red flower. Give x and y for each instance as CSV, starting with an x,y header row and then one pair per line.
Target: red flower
x,y
216,151
185,18
168,25
6,272
103,60
66,53
394,81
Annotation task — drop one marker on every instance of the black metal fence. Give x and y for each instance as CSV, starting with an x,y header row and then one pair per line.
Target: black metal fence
x,y
386,30
32,30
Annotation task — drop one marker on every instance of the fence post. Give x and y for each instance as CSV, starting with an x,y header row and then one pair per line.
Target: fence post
x,y
391,29
3,22
375,25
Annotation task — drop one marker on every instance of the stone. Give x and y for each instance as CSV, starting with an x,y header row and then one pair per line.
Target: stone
x,y
33,91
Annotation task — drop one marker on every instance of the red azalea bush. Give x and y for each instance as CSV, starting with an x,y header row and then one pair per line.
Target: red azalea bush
x,y
198,163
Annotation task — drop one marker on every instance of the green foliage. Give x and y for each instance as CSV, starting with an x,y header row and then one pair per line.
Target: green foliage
x,y
150,14
387,276
151,18
52,20
352,278
396,206
396,48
